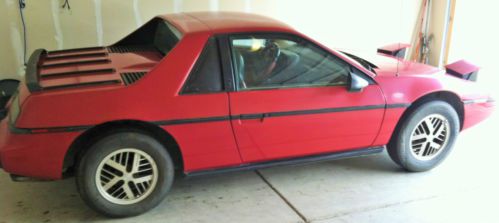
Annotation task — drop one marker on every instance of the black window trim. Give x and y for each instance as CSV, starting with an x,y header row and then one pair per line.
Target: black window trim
x,y
227,67
225,45
197,63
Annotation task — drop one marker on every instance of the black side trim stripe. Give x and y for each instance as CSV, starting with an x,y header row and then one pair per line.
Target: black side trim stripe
x,y
292,161
398,106
467,102
317,111
478,101
220,118
194,120
307,112
16,130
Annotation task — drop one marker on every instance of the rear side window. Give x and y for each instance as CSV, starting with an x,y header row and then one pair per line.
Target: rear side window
x,y
206,76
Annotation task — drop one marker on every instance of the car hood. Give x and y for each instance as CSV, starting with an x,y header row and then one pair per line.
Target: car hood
x,y
390,66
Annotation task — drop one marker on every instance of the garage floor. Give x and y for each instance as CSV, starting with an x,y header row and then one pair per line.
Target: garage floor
x,y
368,189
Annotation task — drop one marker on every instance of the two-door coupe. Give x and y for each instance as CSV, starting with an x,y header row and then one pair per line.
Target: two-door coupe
x,y
200,93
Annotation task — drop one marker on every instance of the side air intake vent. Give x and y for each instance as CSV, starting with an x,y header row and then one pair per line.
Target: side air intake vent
x,y
132,77
128,49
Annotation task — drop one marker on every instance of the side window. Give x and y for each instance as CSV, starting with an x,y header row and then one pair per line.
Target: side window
x,y
206,76
282,62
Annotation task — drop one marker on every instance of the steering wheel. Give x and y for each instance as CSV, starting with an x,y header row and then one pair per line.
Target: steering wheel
x,y
270,53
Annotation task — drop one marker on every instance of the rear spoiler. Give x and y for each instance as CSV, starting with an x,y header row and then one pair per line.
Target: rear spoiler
x,y
394,50
32,76
463,69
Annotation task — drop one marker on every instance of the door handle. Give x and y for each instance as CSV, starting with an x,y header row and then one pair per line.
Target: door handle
x,y
264,115
260,117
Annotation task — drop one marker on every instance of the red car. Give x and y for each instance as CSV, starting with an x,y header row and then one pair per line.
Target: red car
x,y
203,93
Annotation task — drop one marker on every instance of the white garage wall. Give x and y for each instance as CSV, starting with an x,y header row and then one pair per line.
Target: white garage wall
x,y
475,38
353,24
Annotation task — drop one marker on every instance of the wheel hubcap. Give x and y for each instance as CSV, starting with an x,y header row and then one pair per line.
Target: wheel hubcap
x,y
430,137
126,176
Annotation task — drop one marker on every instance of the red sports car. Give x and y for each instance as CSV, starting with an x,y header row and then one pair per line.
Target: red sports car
x,y
201,93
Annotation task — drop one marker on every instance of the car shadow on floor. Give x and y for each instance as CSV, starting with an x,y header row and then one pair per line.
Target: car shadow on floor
x,y
232,195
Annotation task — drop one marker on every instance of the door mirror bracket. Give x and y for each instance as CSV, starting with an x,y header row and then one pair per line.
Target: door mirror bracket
x,y
357,83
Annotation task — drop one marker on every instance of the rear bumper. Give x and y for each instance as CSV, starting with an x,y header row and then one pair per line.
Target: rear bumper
x,y
34,155
475,111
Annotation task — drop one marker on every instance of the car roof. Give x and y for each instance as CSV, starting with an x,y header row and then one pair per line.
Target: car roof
x,y
224,22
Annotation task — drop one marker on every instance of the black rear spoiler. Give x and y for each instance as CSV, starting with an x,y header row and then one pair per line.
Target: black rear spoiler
x,y
32,75
394,50
463,69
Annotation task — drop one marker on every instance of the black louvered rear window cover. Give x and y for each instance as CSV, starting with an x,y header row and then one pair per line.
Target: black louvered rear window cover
x,y
127,49
132,77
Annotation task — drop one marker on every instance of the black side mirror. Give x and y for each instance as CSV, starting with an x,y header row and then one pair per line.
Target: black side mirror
x,y
357,83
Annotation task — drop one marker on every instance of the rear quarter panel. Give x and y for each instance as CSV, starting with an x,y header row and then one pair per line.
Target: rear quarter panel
x,y
154,98
149,99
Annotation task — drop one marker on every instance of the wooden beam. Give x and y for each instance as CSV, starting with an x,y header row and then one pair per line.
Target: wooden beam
x,y
449,32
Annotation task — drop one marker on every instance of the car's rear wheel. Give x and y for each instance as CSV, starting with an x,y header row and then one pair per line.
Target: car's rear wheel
x,y
125,174
425,137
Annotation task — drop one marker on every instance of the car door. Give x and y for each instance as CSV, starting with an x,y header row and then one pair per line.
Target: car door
x,y
205,135
291,99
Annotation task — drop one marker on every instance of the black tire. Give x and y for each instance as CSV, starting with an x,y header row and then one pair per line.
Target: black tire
x,y
88,168
400,148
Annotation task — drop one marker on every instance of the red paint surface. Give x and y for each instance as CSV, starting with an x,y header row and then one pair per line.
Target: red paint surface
x,y
35,155
475,113
289,136
211,145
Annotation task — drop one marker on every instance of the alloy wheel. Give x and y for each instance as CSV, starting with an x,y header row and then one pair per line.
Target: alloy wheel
x,y
430,137
126,176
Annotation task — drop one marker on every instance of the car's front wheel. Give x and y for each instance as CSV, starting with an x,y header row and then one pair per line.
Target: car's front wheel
x,y
425,137
125,174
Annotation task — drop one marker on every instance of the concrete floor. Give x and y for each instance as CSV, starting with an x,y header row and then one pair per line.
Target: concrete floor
x,y
368,189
